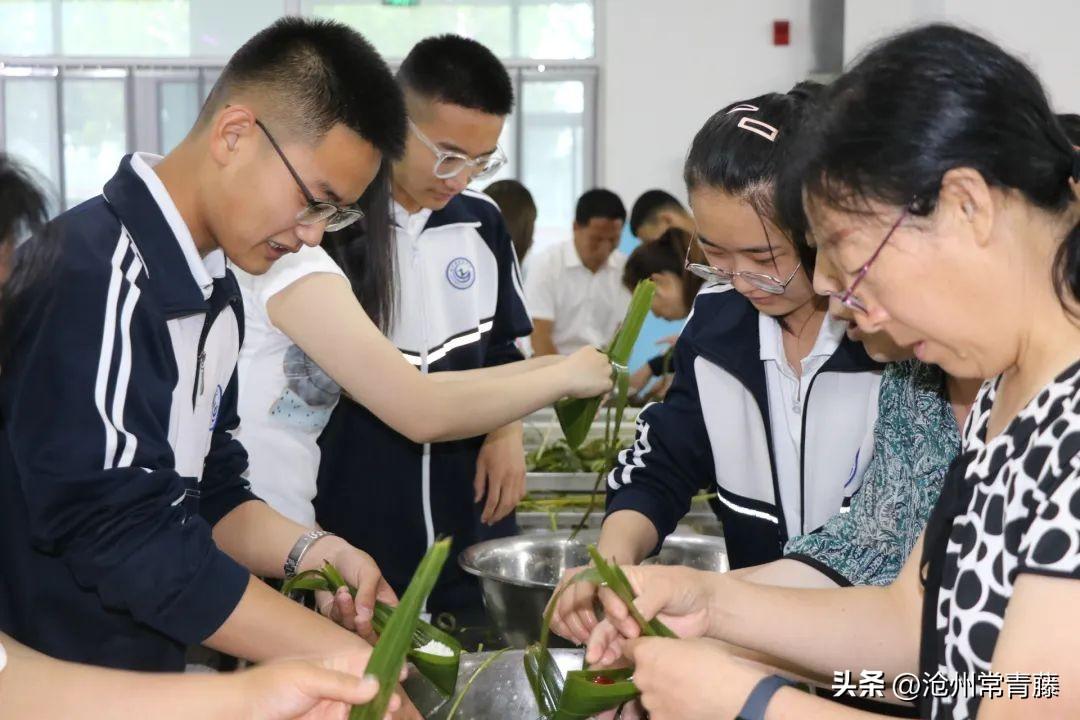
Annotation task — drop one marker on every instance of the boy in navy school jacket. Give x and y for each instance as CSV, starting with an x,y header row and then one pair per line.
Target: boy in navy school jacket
x,y
460,306
128,530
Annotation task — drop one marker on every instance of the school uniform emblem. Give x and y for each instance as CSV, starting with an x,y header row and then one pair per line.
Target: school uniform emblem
x,y
215,407
461,273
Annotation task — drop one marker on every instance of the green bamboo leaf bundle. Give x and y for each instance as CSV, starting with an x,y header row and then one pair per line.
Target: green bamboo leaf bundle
x,y
388,657
578,694
401,632
576,415
441,668
581,693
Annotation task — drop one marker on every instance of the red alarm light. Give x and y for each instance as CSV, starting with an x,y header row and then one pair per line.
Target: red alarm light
x,y
781,32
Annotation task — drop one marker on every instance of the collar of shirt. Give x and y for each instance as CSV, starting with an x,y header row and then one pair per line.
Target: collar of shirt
x,y
772,343
203,269
411,223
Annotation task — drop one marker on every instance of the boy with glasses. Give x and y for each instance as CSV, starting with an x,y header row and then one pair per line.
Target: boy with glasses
x,y
459,306
129,530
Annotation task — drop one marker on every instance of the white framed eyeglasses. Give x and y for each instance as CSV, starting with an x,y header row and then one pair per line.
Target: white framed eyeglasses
x,y
450,164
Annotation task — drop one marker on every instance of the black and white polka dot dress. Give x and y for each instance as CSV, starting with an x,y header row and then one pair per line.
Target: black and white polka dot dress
x,y
1024,516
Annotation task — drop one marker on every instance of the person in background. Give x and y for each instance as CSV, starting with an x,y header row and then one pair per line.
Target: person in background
x,y
518,209
575,289
35,685
459,306
129,531
664,262
655,212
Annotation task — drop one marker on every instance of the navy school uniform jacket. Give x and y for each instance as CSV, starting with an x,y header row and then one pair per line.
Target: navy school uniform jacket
x,y
460,306
117,404
712,432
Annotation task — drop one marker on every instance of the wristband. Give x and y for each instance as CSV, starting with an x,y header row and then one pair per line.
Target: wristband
x,y
759,698
300,549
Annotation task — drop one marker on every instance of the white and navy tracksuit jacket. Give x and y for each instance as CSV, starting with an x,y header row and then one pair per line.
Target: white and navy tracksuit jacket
x,y
712,432
459,306
117,405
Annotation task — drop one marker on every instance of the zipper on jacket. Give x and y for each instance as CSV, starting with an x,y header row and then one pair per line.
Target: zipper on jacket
x,y
802,457
200,352
200,373
425,466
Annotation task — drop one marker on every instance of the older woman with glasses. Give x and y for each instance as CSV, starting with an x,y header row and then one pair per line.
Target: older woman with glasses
x,y
772,408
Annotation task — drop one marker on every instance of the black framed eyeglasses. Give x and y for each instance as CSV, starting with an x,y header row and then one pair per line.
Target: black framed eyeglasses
x,y
335,216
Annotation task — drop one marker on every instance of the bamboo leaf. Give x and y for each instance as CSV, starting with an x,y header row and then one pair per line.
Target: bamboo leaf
x,y
441,670
388,657
472,678
617,581
545,678
622,392
335,578
308,580
576,695
628,332
544,675
576,415
584,697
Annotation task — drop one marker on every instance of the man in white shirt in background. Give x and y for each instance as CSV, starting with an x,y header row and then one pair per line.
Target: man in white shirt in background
x,y
574,290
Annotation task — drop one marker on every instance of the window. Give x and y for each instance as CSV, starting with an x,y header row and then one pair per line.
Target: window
x,y
95,134
178,106
83,82
131,28
30,125
554,153
511,28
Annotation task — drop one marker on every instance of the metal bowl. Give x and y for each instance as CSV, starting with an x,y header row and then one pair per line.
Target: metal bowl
x,y
501,692
519,574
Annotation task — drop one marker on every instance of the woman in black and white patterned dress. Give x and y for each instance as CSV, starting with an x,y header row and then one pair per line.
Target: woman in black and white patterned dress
x,y
941,190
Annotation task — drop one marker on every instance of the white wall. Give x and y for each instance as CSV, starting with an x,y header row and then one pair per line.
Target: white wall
x,y
669,64
1042,32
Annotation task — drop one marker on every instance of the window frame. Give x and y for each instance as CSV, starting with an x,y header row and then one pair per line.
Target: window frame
x,y
144,77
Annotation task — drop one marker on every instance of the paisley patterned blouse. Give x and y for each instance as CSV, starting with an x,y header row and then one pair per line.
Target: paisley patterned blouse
x,y
915,439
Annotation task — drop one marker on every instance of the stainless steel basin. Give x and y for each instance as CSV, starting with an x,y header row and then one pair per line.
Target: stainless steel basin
x,y
519,574
501,692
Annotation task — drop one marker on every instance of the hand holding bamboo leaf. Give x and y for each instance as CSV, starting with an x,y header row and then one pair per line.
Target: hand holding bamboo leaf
x,y
401,631
578,694
352,610
684,597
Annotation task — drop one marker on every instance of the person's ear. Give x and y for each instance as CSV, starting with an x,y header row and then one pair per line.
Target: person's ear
x,y
232,126
966,204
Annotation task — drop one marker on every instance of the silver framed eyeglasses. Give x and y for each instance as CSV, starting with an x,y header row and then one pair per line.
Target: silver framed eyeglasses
x,y
716,276
335,216
450,164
